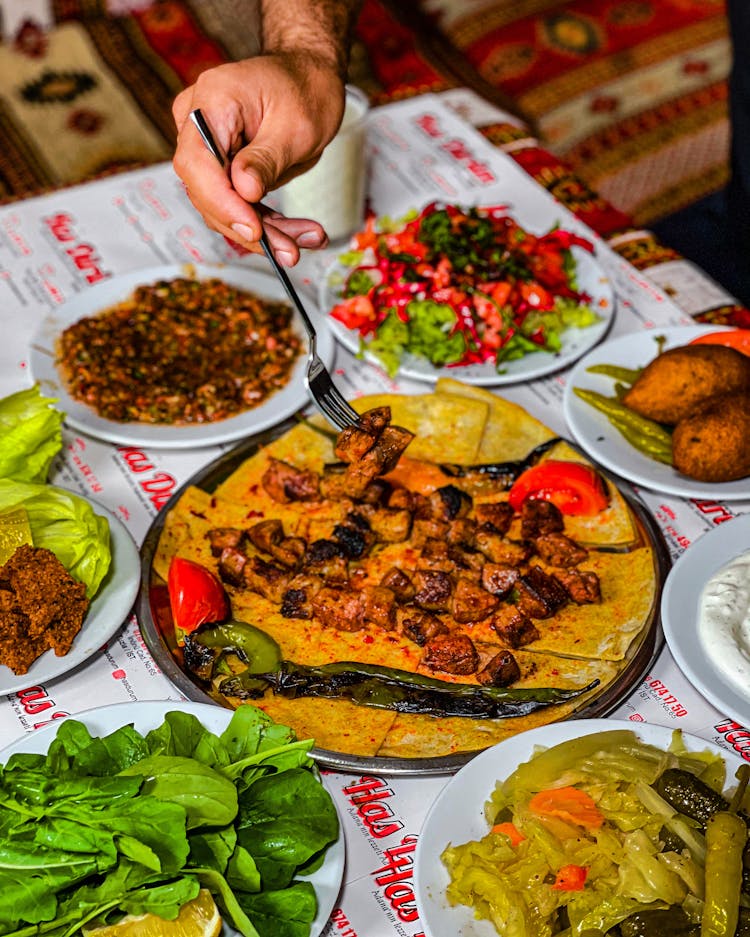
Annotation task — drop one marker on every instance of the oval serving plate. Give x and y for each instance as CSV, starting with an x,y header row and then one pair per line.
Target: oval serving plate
x,y
154,616
290,398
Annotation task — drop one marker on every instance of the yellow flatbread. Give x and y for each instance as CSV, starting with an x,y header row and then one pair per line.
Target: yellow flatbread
x,y
461,425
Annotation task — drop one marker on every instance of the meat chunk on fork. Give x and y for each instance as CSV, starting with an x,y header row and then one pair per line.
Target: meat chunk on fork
x,y
380,460
451,653
355,441
285,482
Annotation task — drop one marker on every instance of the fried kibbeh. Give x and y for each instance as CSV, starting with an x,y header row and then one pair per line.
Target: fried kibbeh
x,y
671,386
712,444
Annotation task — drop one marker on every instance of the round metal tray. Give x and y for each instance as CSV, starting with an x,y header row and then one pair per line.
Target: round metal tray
x,y
155,621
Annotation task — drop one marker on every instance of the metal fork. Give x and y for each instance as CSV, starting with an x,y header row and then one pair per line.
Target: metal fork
x,y
318,380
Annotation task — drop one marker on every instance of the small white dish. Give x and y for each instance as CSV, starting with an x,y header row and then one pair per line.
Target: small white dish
x,y
457,815
280,405
680,606
147,715
108,610
599,438
575,342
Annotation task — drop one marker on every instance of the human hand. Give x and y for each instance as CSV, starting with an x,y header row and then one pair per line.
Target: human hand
x,y
288,107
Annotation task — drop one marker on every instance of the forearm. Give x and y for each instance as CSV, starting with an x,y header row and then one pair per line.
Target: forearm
x,y
319,28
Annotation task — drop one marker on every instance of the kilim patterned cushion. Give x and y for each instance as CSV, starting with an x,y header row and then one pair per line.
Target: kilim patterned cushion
x,y
630,93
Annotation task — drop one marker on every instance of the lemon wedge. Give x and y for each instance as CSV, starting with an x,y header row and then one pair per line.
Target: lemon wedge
x,y
197,918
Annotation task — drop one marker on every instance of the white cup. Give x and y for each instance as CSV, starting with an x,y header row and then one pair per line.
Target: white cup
x,y
333,191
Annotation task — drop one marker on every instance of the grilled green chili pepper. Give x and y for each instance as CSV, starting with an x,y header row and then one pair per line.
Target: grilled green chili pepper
x,y
254,647
626,375
664,922
726,836
399,690
645,435
502,474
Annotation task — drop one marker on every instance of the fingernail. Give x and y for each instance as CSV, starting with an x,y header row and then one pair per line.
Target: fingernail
x,y
284,258
310,239
244,231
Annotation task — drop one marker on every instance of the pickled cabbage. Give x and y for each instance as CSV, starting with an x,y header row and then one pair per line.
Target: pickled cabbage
x,y
627,868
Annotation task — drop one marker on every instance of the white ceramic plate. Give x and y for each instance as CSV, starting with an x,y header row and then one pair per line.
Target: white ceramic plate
x,y
286,401
680,605
575,342
108,610
603,442
457,815
147,715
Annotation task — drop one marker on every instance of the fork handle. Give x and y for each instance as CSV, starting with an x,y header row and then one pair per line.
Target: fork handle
x,y
290,291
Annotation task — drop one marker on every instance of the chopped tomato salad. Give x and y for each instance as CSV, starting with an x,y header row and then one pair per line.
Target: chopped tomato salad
x,y
461,286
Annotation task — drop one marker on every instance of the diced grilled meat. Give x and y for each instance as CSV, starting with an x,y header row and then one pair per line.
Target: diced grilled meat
x,y
499,550
434,589
501,670
420,626
408,500
539,595
354,537
353,442
462,532
471,602
448,503
379,606
268,536
222,537
389,525
539,517
375,420
325,558
435,549
399,583
376,493
267,579
423,530
380,460
451,653
285,482
513,627
297,600
342,609
231,565
498,514
560,550
582,586
499,579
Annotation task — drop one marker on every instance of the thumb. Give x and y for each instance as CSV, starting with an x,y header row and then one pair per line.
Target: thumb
x,y
257,167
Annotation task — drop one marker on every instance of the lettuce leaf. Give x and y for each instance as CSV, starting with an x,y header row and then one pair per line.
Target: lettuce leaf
x,y
30,435
65,524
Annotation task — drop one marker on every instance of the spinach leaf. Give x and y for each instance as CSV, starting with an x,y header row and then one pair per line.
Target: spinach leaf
x,y
207,797
184,734
288,912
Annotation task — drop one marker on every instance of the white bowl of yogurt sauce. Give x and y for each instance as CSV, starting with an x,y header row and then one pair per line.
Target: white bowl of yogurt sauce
x,y
705,610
